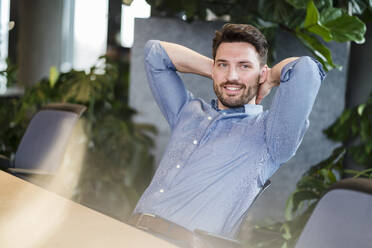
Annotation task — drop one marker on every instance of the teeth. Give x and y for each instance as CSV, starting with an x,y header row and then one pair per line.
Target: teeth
x,y
232,88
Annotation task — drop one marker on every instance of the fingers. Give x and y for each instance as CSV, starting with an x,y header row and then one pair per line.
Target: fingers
x,y
259,99
262,92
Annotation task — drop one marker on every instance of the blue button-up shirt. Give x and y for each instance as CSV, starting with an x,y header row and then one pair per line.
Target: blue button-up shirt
x,y
217,160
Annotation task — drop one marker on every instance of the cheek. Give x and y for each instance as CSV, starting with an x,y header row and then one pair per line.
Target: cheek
x,y
251,80
217,77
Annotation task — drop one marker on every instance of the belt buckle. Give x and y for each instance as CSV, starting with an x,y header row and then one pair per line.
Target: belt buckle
x,y
138,224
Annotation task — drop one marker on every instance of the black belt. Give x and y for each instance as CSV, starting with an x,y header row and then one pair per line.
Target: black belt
x,y
200,239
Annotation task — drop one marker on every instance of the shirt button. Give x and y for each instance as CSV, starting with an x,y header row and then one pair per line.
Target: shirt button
x,y
209,117
195,142
224,113
161,190
178,166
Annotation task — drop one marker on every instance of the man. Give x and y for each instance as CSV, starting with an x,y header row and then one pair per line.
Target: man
x,y
221,154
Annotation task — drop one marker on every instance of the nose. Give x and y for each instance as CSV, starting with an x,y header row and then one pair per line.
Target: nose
x,y
232,75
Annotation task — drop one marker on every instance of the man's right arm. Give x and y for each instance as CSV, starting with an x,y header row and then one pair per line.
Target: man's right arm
x,y
187,60
162,60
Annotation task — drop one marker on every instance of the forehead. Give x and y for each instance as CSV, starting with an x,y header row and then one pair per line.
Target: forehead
x,y
237,52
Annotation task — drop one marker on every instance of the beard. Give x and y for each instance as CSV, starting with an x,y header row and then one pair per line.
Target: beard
x,y
247,94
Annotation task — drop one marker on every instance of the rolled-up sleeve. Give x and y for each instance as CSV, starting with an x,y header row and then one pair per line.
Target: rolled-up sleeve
x,y
288,117
166,85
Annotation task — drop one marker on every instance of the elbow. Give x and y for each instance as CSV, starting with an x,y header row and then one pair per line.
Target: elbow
x,y
153,56
313,68
149,45
156,58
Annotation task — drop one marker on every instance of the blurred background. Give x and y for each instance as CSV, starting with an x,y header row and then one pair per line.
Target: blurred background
x,y
90,52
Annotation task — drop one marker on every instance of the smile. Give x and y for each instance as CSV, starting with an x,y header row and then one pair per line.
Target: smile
x,y
232,89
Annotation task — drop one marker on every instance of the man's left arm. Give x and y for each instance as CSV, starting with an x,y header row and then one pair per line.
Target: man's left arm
x,y
298,80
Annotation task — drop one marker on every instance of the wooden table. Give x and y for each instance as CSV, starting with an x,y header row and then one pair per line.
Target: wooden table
x,y
33,217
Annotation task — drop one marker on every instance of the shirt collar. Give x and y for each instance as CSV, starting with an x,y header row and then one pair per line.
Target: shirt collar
x,y
249,109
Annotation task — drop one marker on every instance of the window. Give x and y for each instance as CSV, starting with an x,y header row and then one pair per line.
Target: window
x,y
90,32
138,9
4,31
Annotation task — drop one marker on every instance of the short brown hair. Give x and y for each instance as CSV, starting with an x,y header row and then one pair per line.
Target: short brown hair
x,y
242,33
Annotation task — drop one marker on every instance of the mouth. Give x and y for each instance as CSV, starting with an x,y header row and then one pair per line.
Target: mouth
x,y
232,89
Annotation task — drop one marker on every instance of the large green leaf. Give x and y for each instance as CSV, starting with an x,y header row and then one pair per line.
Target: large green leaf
x,y
312,15
342,26
320,51
334,24
330,14
347,28
322,31
312,22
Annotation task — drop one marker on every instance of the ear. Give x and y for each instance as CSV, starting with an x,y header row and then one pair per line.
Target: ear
x,y
263,74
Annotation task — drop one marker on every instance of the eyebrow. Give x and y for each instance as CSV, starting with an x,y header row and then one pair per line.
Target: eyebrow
x,y
240,62
245,62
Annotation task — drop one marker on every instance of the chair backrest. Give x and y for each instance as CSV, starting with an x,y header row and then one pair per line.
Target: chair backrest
x,y
44,143
342,218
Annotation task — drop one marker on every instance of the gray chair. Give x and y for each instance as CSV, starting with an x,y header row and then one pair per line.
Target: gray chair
x,y
44,143
342,218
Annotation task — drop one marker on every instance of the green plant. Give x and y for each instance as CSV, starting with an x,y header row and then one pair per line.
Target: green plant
x,y
313,22
353,128
118,164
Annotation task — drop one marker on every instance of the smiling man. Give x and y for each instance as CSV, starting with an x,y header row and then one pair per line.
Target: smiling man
x,y
221,153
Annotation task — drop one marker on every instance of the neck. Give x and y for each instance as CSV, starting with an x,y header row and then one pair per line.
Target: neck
x,y
222,107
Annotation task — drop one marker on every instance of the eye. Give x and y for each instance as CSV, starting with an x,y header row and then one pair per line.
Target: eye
x,y
222,65
245,66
